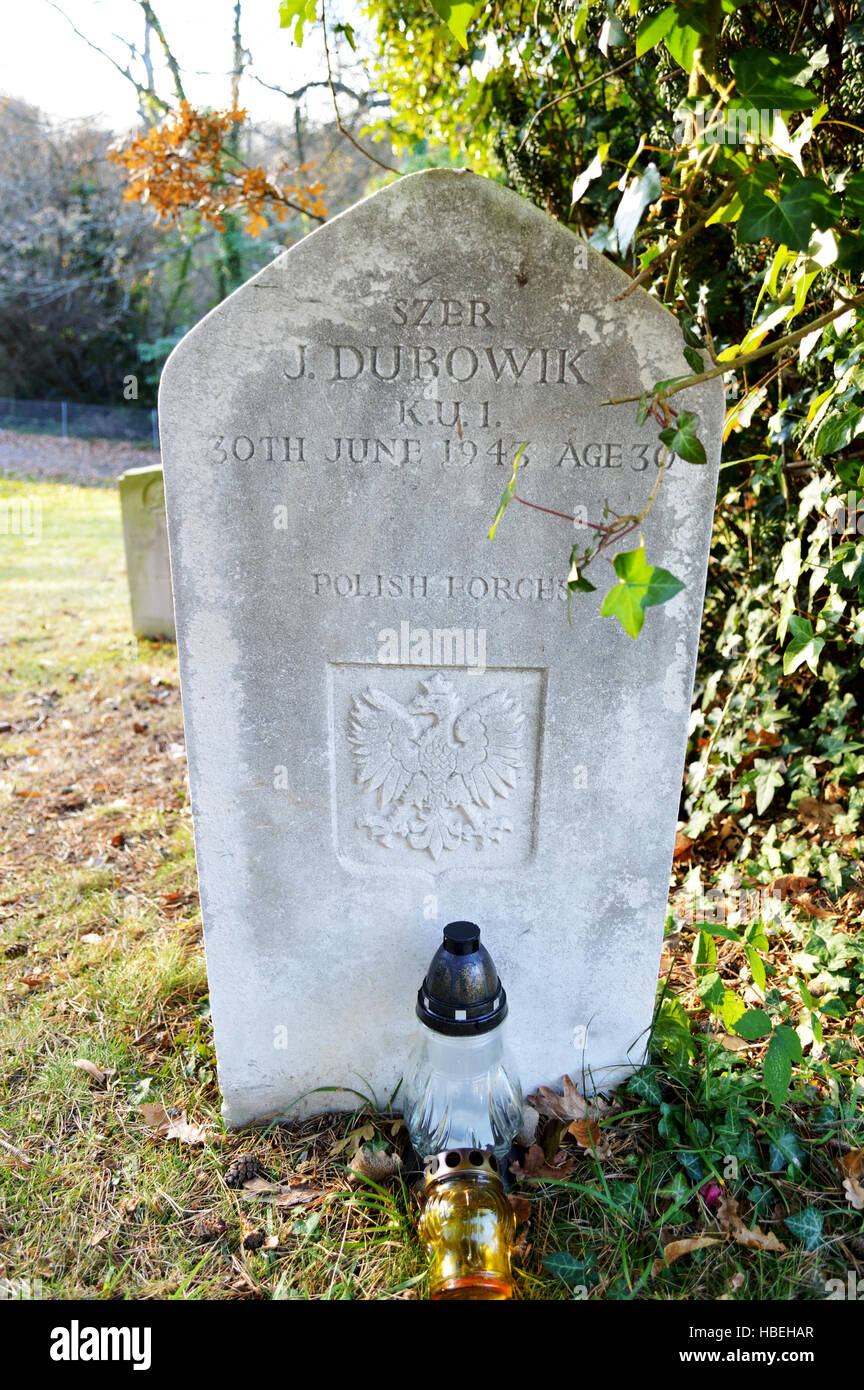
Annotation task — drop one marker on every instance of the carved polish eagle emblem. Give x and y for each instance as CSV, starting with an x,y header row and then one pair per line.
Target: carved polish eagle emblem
x,y
437,765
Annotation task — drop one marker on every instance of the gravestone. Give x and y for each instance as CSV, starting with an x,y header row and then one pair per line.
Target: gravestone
x,y
390,722
145,539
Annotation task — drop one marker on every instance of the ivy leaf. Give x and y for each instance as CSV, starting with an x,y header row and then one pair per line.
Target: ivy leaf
x,y
766,80
806,1224
638,195
653,29
785,1151
802,204
576,582
587,177
348,30
691,1163
777,1070
570,1270
836,431
642,586
681,41
694,360
298,13
644,1084
767,780
681,437
457,16
805,646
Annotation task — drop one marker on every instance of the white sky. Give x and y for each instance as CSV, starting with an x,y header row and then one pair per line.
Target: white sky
x,y
42,60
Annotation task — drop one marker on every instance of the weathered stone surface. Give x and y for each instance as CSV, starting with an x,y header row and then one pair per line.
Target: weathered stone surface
x,y
145,537
358,777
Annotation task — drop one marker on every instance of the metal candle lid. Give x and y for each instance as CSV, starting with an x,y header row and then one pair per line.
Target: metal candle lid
x,y
463,1163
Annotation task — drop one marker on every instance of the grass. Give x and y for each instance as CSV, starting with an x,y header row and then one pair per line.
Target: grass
x,y
101,961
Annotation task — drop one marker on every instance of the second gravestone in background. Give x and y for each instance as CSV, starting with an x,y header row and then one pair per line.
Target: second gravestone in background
x,y
390,723
145,539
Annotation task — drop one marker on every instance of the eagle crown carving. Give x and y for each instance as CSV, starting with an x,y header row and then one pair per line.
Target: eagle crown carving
x,y
438,765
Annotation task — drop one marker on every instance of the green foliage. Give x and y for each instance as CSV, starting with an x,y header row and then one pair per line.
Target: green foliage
x,y
641,586
745,220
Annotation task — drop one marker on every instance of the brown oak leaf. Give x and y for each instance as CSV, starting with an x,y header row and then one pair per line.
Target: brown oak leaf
x,y
522,1209
535,1166
165,1126
756,1238
566,1108
815,815
590,1136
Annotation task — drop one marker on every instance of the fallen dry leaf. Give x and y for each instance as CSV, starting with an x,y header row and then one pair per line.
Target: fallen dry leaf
x,y
522,1209
99,1074
730,1041
375,1164
815,815
296,1195
789,885
590,1136
683,851
854,1193
283,1194
535,1166
755,1239
99,1235
676,1248
259,1184
566,1108
764,738
736,1282
804,900
669,950
852,1163
165,1126
90,938
180,1128
156,1117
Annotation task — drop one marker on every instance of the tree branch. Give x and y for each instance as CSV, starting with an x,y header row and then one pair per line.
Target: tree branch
x,y
330,82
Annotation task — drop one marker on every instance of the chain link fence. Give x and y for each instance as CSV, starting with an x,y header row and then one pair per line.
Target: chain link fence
x,y
133,423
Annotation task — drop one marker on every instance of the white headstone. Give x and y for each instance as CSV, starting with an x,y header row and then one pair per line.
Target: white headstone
x,y
145,538
390,723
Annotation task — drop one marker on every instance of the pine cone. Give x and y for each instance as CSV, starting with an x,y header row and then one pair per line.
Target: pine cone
x,y
241,1169
210,1228
253,1240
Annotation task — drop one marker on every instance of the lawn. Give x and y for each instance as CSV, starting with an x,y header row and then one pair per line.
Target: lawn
x,y
113,1155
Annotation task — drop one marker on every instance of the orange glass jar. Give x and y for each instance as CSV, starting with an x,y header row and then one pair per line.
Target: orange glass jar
x,y
467,1226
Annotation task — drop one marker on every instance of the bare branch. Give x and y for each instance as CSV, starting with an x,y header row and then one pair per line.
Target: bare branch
x,y
330,82
143,92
